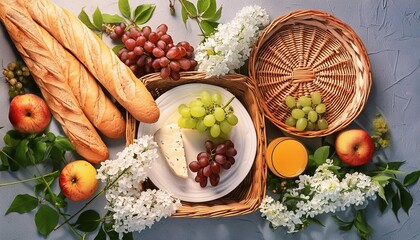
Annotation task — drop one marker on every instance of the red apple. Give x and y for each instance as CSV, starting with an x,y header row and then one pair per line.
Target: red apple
x,y
29,113
354,147
78,181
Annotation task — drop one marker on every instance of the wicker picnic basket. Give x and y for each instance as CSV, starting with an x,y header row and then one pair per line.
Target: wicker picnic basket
x,y
247,197
306,51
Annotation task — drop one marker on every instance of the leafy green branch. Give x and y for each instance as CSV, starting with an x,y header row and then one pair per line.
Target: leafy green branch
x,y
104,22
205,13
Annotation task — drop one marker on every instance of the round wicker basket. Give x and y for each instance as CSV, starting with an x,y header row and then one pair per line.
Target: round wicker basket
x,y
306,51
245,198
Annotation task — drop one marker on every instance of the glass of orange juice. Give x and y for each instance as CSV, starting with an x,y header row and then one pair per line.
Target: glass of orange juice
x,y
286,157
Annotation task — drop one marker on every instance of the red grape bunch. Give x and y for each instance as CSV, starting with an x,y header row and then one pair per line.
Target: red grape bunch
x,y
210,163
146,51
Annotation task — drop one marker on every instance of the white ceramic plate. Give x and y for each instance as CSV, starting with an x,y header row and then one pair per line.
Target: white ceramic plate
x,y
243,135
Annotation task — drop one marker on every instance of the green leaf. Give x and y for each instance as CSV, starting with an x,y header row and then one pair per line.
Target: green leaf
x,y
381,194
189,8
84,18
143,13
46,218
207,27
216,15
184,15
23,203
396,205
63,144
39,151
394,165
114,18
321,154
124,7
361,225
316,221
406,199
88,221
97,18
117,48
211,10
50,136
101,234
381,179
21,153
12,138
202,5
128,236
411,178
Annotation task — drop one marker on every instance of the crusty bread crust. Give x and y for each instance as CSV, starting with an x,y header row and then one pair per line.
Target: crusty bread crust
x,y
98,108
98,58
32,43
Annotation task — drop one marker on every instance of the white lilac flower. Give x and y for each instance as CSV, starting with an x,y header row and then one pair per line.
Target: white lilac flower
x,y
133,208
230,46
327,194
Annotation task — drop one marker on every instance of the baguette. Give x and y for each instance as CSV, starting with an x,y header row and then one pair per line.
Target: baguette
x,y
32,43
98,58
98,108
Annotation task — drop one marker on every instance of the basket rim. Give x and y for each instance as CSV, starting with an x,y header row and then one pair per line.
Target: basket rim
x,y
329,20
249,200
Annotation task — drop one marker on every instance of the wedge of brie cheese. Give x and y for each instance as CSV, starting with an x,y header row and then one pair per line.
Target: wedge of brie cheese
x,y
169,140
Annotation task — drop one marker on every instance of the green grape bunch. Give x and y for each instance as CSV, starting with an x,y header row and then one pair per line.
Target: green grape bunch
x,y
307,113
18,77
207,113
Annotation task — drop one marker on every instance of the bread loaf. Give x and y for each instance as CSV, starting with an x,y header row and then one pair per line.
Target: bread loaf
x,y
32,43
98,108
98,58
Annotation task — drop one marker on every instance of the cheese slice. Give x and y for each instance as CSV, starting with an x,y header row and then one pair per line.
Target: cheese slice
x,y
169,140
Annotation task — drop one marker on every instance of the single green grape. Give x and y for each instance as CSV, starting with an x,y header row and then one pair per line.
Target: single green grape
x,y
304,101
316,98
322,124
307,109
185,112
196,103
290,121
217,98
200,126
310,126
298,113
197,112
182,122
209,120
219,114
225,127
191,123
206,98
321,108
301,124
181,106
290,102
232,119
215,130
312,116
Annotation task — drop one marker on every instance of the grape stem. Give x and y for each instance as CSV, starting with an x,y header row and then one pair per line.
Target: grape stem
x,y
229,102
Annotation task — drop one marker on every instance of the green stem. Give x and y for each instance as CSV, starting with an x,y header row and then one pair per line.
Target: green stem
x,y
29,179
229,102
94,197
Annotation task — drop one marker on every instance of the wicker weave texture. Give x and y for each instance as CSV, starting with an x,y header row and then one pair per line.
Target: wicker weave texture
x,y
247,197
306,51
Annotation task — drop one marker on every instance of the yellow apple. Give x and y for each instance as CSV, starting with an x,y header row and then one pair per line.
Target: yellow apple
x,y
78,180
354,147
29,113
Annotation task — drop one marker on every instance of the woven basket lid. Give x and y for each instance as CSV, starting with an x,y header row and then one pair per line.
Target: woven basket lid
x,y
306,51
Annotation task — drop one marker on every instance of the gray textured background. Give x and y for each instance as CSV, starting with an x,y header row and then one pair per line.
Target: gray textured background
x,y
390,30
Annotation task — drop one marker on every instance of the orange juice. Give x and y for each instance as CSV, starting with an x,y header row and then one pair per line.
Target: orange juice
x,y
286,157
